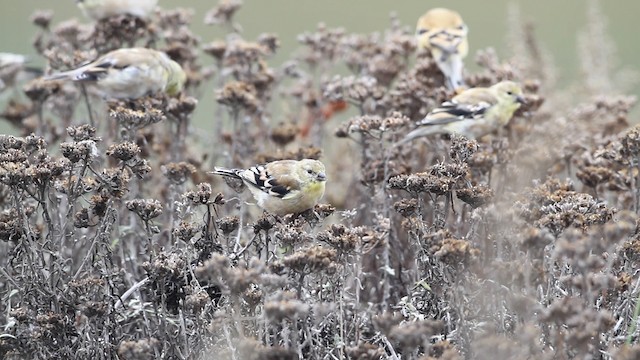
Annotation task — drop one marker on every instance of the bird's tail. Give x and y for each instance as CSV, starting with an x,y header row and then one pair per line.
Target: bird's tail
x,y
452,67
35,71
419,132
225,172
65,75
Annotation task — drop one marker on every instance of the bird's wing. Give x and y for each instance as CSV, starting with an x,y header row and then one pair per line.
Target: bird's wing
x,y
117,60
99,68
96,70
264,179
450,112
471,104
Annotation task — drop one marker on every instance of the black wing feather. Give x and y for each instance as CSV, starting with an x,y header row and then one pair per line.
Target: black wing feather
x,y
263,181
277,189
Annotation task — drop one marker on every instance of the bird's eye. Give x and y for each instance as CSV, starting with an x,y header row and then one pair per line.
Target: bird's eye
x,y
509,93
309,171
422,31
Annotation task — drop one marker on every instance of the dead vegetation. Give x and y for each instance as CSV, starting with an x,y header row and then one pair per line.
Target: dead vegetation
x,y
116,244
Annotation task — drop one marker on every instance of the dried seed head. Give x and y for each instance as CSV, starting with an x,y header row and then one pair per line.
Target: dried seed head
x,y
284,306
312,259
82,132
216,49
200,196
139,349
99,204
223,12
197,302
124,151
365,351
81,219
592,176
228,224
42,18
178,173
239,95
84,150
185,231
265,223
456,251
406,207
181,108
411,335
283,134
11,229
476,195
135,119
342,238
38,90
270,42
146,209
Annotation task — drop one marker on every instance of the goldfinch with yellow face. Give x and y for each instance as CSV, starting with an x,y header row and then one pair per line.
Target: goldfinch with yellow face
x,y
473,113
283,187
101,9
444,34
129,74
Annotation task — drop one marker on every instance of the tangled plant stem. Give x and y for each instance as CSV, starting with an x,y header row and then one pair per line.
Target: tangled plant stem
x,y
519,244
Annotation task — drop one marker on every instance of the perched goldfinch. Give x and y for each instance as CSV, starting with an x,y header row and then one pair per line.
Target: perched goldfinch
x,y
101,9
283,187
129,74
444,34
473,113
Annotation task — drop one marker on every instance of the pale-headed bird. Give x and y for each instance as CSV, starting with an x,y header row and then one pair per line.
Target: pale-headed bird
x,y
101,9
444,34
283,187
129,73
473,113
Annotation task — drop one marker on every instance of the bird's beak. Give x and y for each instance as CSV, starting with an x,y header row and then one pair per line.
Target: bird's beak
x,y
321,177
521,100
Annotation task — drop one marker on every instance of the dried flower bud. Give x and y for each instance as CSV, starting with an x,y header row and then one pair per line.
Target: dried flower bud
x,y
136,119
146,209
200,196
406,207
42,18
228,224
283,134
124,151
178,173
186,231
476,196
84,150
223,12
216,49
237,95
81,219
139,349
82,132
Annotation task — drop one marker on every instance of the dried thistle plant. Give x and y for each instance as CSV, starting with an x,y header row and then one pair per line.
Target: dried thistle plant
x,y
519,244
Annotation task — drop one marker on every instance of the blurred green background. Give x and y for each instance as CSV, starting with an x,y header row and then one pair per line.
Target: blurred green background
x,y
557,25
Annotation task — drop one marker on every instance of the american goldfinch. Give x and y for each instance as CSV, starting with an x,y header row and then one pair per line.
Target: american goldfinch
x,y
130,74
444,34
283,187
101,9
473,113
